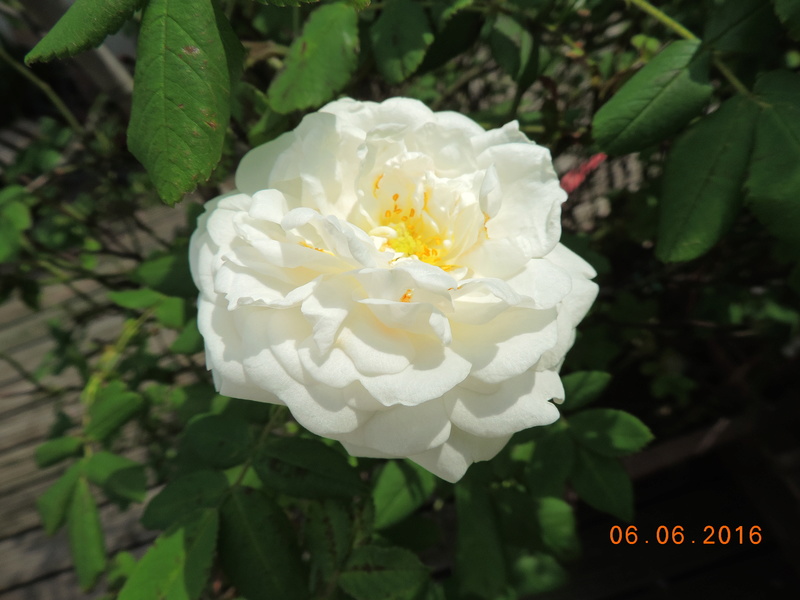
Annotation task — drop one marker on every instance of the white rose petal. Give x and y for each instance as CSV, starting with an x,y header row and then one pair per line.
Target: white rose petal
x,y
393,276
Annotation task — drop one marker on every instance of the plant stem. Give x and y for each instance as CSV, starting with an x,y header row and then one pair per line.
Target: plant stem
x,y
663,18
46,89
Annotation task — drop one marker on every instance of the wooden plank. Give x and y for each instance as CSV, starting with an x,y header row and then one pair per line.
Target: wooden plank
x,y
33,555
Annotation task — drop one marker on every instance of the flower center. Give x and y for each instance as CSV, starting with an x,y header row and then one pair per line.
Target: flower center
x,y
408,225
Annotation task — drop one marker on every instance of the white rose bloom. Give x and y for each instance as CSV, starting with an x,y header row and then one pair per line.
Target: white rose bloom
x,y
394,277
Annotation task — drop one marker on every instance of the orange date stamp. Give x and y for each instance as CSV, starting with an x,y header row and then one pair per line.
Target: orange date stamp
x,y
677,534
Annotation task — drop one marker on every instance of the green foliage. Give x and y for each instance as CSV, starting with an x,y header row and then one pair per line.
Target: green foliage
x,y
583,387
85,25
168,274
178,565
258,550
703,181
377,572
740,26
122,479
15,218
55,450
515,50
114,406
86,535
660,99
609,432
306,468
183,496
602,482
329,535
218,440
774,179
788,12
54,504
320,61
400,36
187,57
400,489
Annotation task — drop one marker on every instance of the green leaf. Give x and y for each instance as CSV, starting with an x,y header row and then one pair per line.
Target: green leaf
x,y
601,482
320,62
177,566
54,503
400,489
15,218
400,36
53,451
552,462
287,2
329,536
258,550
114,406
171,312
659,100
306,468
120,477
741,27
189,341
515,50
85,25
377,572
480,567
556,522
774,178
609,432
583,387
199,489
788,12
220,440
537,573
187,56
86,536
703,179
168,274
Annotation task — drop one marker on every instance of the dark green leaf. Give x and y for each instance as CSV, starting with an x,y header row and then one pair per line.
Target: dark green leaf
x,y
219,440
741,26
85,25
171,312
114,406
177,566
287,2
400,489
306,468
514,49
189,341
537,573
583,387
120,477
556,522
602,482
168,274
609,432
86,535
774,178
703,181
320,61
186,60
788,12
552,463
400,37
329,536
199,489
54,503
664,96
53,451
15,218
480,564
377,572
257,548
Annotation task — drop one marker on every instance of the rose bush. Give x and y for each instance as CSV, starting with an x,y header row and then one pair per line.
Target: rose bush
x,y
394,276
